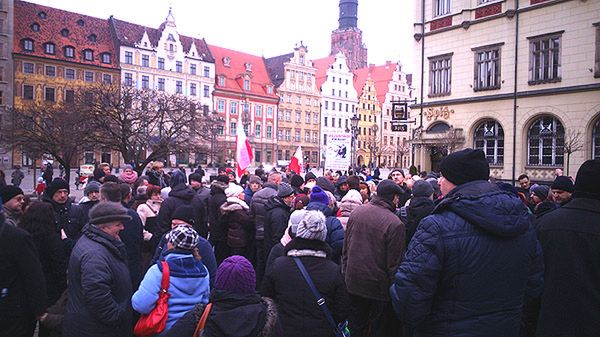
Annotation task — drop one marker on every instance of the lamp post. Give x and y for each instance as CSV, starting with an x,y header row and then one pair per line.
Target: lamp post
x,y
373,144
214,127
354,124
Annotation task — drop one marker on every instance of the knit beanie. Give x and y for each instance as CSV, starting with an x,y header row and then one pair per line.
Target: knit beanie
x,y
8,192
92,186
587,184
183,237
541,191
107,211
254,179
55,185
295,219
388,189
301,201
296,181
465,166
395,170
184,213
310,176
237,275
422,188
318,195
195,177
233,190
312,226
564,184
284,190
325,184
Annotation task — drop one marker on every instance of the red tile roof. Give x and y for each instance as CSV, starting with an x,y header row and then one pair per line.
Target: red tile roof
x,y
381,76
50,28
322,65
129,34
237,68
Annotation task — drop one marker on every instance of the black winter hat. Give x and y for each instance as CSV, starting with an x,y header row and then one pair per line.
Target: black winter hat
x,y
465,166
564,184
8,192
106,211
184,213
223,179
55,185
388,189
195,177
587,184
310,176
296,181
325,184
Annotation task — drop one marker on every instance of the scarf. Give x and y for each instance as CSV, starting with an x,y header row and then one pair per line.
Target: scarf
x,y
129,178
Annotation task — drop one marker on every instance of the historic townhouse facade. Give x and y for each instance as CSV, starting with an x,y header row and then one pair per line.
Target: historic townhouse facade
x,y
57,52
163,60
245,94
368,111
6,72
298,115
338,96
519,79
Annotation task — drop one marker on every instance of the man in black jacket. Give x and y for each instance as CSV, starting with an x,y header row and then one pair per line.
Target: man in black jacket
x,y
57,194
218,231
278,213
570,240
79,213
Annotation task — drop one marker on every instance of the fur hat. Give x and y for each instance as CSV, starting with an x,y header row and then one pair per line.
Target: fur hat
x,y
284,190
318,195
465,166
106,212
237,275
183,237
312,226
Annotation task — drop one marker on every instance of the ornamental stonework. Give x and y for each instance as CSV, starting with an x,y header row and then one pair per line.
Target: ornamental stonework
x,y
435,113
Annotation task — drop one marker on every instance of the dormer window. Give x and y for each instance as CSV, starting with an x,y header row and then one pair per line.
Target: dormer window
x,y
246,84
226,61
269,89
41,15
248,67
88,55
35,27
222,81
80,22
92,37
69,52
64,32
106,58
49,48
27,44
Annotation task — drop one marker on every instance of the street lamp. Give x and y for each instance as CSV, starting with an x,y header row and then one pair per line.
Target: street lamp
x,y
373,145
354,124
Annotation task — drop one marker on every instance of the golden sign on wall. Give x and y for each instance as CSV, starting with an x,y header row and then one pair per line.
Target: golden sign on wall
x,y
435,113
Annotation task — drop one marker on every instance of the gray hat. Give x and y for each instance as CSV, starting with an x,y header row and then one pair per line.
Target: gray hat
x,y
254,179
92,186
106,212
284,190
422,188
312,226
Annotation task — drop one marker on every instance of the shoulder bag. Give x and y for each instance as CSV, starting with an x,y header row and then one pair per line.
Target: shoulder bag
x,y
156,321
202,323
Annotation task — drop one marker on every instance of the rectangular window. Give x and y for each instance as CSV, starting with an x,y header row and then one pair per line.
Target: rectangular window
x,y
27,91
106,78
544,59
206,91
246,84
221,81
193,89
70,74
193,68
316,118
440,71
288,136
487,68
145,60
221,105
128,57
233,108
326,105
88,55
69,52
178,66
288,116
597,60
128,78
307,136
269,132
28,45
69,96
106,58
298,117
206,71
269,112
161,63
89,76
279,134
325,121
297,136
307,119
51,71
28,68
179,87
257,130
442,7
145,82
258,111
161,84
49,95
49,48
232,128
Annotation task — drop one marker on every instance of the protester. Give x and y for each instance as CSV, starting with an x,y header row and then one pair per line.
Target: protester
x,y
325,203
57,195
397,175
99,285
156,175
78,214
218,229
239,226
562,189
13,200
420,205
278,210
570,239
351,200
180,194
129,176
478,248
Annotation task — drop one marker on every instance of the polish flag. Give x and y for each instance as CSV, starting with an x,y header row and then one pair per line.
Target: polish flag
x,y
243,151
297,162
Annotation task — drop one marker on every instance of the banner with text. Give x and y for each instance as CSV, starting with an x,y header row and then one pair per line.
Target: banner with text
x,y
337,155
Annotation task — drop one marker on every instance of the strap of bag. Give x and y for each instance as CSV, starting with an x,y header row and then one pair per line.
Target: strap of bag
x,y
202,322
320,300
164,283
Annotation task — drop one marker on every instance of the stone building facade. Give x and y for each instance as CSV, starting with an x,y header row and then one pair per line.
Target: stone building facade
x,y
6,73
347,38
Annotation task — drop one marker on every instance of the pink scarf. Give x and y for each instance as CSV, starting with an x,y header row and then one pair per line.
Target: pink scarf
x,y
129,178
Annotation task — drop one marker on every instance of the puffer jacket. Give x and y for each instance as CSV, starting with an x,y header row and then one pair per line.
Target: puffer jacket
x,y
188,286
470,265
99,287
237,220
179,195
258,208
78,217
335,230
349,202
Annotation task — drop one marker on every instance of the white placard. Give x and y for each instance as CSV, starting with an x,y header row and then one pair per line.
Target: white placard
x,y
338,153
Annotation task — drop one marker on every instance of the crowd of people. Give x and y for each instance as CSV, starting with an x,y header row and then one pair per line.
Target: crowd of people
x,y
278,253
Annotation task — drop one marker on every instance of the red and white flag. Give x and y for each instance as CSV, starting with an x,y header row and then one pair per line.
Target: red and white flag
x,y
243,151
297,163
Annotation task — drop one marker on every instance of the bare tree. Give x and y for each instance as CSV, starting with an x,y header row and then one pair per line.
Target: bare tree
x,y
573,143
403,149
451,139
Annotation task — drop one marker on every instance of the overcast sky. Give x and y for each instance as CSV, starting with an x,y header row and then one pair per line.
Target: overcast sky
x,y
268,27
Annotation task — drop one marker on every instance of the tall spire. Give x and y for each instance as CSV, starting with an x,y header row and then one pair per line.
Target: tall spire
x,y
348,14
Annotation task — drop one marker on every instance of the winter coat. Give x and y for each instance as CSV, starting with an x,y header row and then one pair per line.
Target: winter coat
x,y
470,265
188,286
335,230
240,230
260,317
570,238
276,221
248,193
133,238
349,202
157,179
373,248
99,287
258,209
11,217
61,214
417,209
180,195
53,259
78,217
218,230
200,203
22,287
300,315
205,250
149,209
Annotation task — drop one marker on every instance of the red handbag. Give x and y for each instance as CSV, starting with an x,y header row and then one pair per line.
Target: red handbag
x,y
156,321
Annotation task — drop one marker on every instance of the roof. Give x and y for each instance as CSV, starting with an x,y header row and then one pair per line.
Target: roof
x,y
51,22
322,65
130,34
237,69
381,76
276,69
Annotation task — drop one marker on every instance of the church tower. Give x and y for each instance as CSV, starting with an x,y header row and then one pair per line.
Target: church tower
x,y
348,38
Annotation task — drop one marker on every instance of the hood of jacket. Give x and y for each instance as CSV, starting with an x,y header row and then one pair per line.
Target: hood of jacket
x,y
259,315
420,204
182,191
234,204
184,265
486,206
276,202
350,201
318,206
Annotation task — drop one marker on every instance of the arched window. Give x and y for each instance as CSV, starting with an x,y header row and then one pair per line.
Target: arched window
x,y
489,137
545,142
596,140
439,127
